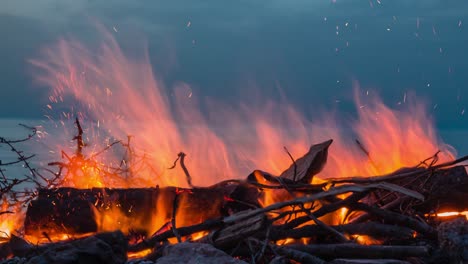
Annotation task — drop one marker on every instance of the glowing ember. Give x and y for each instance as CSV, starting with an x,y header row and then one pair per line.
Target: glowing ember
x,y
448,214
10,219
140,254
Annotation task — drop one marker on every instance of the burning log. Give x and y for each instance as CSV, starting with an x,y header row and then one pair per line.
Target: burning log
x,y
77,211
70,210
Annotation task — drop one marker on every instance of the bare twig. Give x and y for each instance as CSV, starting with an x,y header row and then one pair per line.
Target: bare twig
x,y
293,161
79,139
181,159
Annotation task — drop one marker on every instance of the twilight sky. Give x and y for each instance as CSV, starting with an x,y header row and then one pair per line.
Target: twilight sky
x,y
312,49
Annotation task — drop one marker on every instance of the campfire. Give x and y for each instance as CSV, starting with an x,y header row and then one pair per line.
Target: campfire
x,y
392,194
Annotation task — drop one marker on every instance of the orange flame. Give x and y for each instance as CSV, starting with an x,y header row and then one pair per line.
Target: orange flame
x,y
11,218
124,98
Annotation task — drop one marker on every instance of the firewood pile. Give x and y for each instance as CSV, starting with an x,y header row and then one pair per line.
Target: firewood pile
x,y
388,218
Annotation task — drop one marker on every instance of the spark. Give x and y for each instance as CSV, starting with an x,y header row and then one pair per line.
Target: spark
x,y
189,23
459,23
115,29
463,111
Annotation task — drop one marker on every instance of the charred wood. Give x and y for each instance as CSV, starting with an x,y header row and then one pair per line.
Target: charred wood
x,y
396,218
230,235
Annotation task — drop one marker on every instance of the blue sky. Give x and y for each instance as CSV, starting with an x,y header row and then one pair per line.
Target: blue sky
x,y
313,49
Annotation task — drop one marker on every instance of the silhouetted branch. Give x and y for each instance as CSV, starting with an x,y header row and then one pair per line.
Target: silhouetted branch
x,y
79,139
181,159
